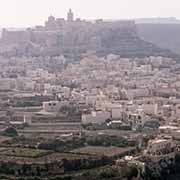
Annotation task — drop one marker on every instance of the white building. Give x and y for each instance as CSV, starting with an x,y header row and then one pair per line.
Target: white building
x,y
54,106
117,111
137,119
150,108
98,117
7,84
158,149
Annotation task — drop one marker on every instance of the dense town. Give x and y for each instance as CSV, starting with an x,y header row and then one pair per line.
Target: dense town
x,y
89,117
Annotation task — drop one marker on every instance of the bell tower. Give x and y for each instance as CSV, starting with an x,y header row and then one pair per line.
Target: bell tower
x,y
70,16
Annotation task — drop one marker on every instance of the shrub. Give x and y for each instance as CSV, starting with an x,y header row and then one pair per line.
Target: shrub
x,y
10,132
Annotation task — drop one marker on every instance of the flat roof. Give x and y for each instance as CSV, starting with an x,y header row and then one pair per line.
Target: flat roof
x,y
170,127
159,140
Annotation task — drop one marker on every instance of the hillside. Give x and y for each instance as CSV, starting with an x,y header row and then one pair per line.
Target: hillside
x,y
118,37
164,35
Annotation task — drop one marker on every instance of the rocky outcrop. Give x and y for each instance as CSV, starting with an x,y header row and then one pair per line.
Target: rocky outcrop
x,y
118,37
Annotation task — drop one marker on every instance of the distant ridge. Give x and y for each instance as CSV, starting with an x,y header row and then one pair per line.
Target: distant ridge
x,y
170,20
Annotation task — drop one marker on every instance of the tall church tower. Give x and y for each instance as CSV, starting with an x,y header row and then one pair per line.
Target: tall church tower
x,y
70,16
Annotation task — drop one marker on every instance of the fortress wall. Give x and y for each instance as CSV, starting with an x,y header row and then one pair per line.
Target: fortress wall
x,y
119,37
15,36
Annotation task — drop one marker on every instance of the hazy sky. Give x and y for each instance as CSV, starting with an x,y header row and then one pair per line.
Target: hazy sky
x,y
23,13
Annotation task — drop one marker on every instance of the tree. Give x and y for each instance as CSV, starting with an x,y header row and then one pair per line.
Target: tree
x,y
10,132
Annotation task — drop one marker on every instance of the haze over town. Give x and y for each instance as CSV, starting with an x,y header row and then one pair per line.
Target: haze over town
x,y
89,90
27,13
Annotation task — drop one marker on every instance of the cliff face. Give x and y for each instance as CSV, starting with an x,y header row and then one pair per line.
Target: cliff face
x,y
163,35
128,44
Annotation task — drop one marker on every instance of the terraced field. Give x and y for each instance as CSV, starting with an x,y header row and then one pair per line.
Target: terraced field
x,y
103,151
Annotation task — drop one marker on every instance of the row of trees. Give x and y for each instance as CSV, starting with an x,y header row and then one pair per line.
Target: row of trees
x,y
110,141
62,146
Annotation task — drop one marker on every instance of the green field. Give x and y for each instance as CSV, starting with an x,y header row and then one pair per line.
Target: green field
x,y
23,152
